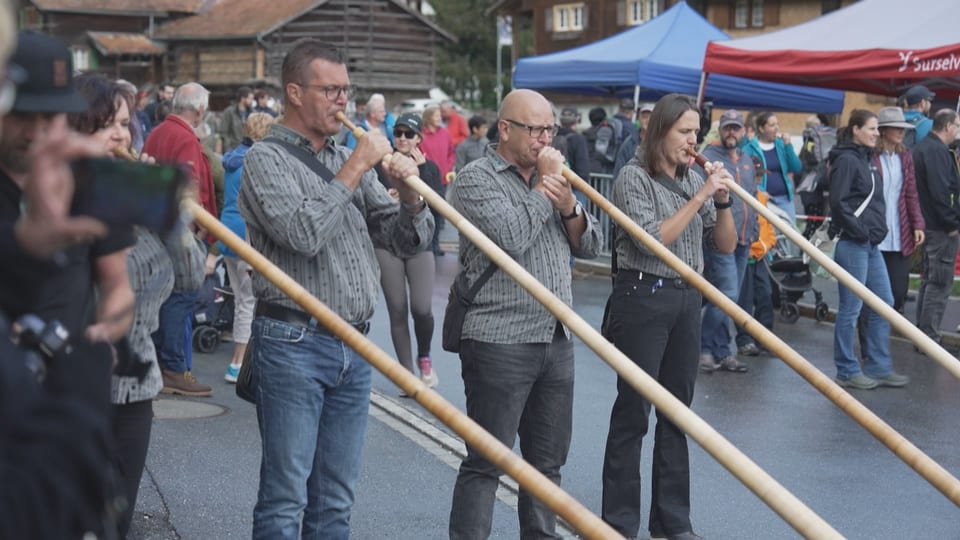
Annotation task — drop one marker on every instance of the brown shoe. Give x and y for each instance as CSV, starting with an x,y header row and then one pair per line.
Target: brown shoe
x,y
184,384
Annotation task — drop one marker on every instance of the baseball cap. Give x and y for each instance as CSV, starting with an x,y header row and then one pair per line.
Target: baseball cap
x,y
49,76
646,107
627,103
412,121
731,117
918,93
569,114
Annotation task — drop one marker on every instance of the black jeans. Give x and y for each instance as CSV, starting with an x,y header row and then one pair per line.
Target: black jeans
x,y
659,329
131,433
524,389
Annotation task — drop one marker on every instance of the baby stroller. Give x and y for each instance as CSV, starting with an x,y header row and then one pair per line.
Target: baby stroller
x,y
213,310
791,277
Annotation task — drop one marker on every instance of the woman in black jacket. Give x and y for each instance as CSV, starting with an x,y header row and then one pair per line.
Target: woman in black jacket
x,y
859,218
417,271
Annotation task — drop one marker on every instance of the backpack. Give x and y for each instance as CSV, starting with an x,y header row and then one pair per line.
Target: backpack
x,y
817,143
910,135
608,135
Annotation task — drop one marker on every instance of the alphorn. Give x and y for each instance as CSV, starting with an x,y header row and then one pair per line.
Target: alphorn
x,y
904,449
904,326
792,510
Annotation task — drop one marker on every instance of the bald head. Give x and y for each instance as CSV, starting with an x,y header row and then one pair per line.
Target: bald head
x,y
522,101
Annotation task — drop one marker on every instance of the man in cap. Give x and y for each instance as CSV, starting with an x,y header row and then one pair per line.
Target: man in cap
x,y
628,148
573,145
89,293
938,184
726,271
917,102
625,116
645,111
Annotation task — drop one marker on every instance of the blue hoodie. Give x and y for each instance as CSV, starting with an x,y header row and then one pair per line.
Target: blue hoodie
x,y
230,216
789,162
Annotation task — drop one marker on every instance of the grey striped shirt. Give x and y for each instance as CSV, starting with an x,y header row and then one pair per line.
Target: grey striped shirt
x,y
318,232
648,203
497,200
156,269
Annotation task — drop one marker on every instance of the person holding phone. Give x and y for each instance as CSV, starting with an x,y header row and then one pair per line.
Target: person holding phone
x,y
416,271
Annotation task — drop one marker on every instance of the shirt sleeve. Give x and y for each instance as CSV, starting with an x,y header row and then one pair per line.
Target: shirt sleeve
x,y
118,238
408,233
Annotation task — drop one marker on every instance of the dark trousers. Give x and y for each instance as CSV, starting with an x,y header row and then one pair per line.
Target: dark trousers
x,y
525,390
131,434
898,269
755,298
659,329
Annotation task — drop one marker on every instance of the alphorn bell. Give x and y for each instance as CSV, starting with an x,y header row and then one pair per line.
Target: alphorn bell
x,y
929,469
784,503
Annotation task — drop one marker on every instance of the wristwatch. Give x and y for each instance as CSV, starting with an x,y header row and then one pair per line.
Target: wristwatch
x,y
722,206
577,210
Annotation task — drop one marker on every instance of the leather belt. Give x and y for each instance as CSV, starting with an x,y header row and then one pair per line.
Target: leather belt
x,y
300,318
652,280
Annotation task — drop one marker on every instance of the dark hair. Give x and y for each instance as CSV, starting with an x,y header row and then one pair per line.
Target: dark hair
x,y
104,97
858,118
163,109
761,119
165,85
243,92
597,115
665,114
943,118
824,119
476,121
298,59
260,94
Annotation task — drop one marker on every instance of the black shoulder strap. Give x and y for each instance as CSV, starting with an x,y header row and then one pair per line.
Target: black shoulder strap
x,y
672,186
472,293
305,156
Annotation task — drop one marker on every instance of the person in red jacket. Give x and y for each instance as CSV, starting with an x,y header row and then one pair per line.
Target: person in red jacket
x,y
456,124
437,144
174,141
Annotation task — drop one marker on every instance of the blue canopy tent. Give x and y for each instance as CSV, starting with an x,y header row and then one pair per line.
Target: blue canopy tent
x,y
661,56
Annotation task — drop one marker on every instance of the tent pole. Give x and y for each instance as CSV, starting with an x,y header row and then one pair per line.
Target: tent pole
x,y
701,90
636,102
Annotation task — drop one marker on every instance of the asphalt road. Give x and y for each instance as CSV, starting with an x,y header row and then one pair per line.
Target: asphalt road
x,y
202,474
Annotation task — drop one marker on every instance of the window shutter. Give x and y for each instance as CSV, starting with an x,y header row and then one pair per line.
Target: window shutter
x,y
585,10
771,12
548,19
622,12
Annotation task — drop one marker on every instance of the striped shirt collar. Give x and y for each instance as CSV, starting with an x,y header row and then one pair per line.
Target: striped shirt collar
x,y
501,165
290,135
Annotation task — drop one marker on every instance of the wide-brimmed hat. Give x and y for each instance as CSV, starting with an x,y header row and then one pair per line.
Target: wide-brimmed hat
x,y
412,121
48,87
893,117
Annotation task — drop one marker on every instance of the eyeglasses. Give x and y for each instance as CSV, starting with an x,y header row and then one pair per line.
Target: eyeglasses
x,y
333,92
535,131
404,134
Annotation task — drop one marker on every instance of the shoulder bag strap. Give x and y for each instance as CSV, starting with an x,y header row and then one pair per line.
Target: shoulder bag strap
x,y
472,293
873,187
305,156
672,186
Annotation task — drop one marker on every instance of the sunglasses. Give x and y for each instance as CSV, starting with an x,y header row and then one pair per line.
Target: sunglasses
x,y
404,134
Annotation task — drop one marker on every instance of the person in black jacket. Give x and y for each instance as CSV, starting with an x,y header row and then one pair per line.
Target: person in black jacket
x,y
859,218
938,185
418,271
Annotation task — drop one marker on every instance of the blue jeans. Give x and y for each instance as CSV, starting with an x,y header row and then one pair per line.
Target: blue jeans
x,y
725,272
865,263
524,389
313,394
174,351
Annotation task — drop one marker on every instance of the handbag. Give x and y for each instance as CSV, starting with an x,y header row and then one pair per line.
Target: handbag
x,y
457,306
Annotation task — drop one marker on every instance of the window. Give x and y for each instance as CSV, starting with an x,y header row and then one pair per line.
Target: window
x,y
641,11
748,14
81,59
568,17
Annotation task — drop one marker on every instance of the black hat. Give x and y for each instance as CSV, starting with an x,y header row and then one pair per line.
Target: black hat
x,y
49,82
412,121
627,104
918,93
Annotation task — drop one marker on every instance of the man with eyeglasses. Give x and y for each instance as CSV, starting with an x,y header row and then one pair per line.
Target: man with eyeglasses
x,y
938,186
516,358
311,207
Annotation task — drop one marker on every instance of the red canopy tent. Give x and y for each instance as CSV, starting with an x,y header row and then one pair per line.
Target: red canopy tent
x,y
873,46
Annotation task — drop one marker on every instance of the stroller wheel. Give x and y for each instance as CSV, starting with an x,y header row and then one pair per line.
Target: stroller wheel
x,y
205,339
822,311
789,312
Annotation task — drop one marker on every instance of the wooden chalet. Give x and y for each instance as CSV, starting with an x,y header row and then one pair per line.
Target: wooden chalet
x,y
391,48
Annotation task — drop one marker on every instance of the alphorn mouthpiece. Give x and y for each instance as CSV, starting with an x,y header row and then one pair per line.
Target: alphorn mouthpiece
x,y
125,154
697,156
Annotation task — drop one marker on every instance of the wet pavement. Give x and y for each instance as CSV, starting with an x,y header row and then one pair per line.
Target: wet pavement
x,y
201,476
